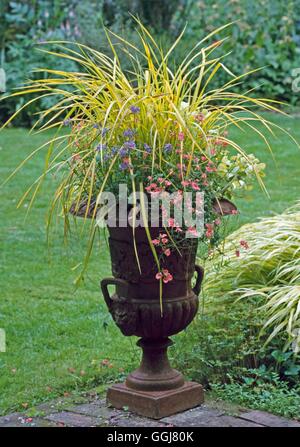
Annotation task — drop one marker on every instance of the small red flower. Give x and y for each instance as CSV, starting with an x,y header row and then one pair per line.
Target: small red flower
x,y
244,244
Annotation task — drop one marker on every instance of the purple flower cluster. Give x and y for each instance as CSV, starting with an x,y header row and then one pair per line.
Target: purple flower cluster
x,y
123,152
129,133
147,148
124,165
129,144
103,130
67,122
135,109
168,148
126,148
101,147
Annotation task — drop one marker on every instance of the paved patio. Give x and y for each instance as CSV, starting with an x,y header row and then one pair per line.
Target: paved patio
x,y
92,411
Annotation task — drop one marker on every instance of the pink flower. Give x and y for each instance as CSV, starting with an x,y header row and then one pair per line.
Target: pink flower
x,y
203,158
218,221
151,187
164,240
234,212
210,168
165,275
200,117
195,186
181,136
168,183
167,252
210,230
155,242
160,179
185,183
181,167
220,142
193,231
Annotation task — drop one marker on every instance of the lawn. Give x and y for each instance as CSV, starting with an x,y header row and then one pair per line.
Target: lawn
x,y
58,337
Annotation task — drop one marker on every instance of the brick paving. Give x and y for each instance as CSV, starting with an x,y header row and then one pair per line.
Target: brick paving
x,y
92,411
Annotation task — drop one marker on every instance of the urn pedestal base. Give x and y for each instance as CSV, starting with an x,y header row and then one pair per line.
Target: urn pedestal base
x,y
156,404
155,390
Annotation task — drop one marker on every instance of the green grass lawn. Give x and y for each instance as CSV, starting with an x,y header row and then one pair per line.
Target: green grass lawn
x,y
57,337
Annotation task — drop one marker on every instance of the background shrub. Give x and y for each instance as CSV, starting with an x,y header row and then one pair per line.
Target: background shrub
x,y
267,34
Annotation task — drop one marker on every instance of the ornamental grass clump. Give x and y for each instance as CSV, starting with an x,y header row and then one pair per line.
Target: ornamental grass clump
x,y
262,260
156,128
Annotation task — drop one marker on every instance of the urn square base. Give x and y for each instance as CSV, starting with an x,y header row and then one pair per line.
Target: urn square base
x,y
156,404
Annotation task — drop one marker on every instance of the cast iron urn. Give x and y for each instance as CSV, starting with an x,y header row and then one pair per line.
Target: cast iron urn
x,y
155,389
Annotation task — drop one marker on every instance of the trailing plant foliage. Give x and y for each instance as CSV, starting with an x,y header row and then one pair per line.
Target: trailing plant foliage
x,y
227,354
275,397
262,260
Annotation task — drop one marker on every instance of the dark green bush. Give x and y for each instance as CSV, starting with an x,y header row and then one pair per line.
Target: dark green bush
x,y
267,34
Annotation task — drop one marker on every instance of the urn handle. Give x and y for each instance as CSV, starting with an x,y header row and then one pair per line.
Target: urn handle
x,y
111,282
200,274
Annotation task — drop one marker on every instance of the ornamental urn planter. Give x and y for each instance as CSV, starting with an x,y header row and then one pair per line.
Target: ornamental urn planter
x,y
155,389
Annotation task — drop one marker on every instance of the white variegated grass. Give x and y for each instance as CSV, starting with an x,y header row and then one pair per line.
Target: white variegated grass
x,y
269,269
